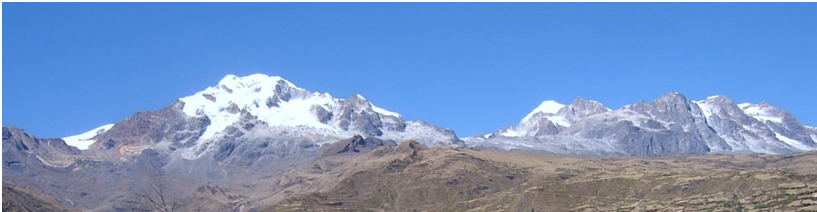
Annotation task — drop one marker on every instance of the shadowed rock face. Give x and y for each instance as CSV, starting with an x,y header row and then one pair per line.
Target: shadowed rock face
x,y
356,114
638,141
20,150
729,128
581,108
683,119
687,130
737,127
169,125
542,126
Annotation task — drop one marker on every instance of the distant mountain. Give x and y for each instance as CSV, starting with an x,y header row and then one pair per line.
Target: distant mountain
x,y
670,124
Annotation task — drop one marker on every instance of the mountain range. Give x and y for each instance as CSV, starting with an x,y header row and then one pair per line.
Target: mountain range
x,y
259,106
669,124
251,142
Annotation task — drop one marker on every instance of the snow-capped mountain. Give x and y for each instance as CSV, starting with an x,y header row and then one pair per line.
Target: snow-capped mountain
x,y
670,124
261,108
253,107
550,117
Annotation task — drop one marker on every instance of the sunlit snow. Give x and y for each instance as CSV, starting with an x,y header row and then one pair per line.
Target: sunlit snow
x,y
384,112
546,107
251,93
705,108
759,112
84,140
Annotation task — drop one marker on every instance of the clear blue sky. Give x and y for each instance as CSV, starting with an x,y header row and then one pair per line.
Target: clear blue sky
x,y
471,67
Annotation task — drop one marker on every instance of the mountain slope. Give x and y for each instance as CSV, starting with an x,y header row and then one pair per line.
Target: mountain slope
x,y
406,177
22,200
458,179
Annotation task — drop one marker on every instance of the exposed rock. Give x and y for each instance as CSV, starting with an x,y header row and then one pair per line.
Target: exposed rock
x,y
357,144
168,125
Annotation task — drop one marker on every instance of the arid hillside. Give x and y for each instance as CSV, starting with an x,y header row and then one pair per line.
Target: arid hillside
x,y
22,200
410,177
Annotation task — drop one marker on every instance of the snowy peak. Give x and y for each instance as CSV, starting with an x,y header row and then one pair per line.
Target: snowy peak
x,y
270,98
717,100
763,112
546,107
253,81
279,103
551,117
564,115
714,104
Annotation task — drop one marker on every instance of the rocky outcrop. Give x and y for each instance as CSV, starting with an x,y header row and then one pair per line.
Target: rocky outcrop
x,y
146,129
20,150
355,145
550,118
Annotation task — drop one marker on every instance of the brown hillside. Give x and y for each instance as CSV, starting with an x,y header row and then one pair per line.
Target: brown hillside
x,y
22,200
454,179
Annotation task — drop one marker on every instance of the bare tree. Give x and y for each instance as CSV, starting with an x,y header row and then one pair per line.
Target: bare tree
x,y
131,206
158,195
